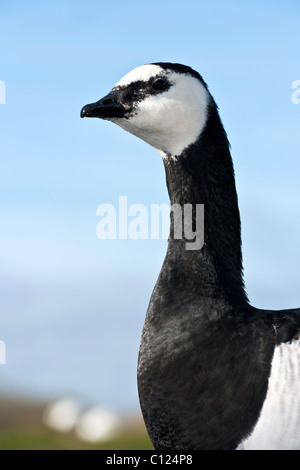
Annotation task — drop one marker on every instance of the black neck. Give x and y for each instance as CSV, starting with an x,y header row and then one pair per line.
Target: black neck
x,y
204,174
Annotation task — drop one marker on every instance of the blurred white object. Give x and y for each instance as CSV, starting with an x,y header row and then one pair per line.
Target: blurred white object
x,y
62,414
97,424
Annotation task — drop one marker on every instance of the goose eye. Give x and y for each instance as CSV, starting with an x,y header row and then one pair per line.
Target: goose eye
x,y
160,85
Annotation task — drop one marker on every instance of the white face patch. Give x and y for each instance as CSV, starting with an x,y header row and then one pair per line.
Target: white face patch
x,y
144,73
171,120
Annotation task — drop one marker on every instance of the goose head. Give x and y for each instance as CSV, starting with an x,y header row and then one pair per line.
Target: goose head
x,y
164,104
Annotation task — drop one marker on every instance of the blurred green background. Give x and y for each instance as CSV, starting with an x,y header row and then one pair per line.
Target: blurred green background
x,y
22,427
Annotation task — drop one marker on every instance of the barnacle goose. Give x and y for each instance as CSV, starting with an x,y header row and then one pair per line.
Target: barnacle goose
x,y
213,371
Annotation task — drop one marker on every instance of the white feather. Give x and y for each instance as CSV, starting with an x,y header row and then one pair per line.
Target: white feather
x,y
278,427
144,73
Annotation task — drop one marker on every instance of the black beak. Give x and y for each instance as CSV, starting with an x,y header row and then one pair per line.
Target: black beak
x,y
108,107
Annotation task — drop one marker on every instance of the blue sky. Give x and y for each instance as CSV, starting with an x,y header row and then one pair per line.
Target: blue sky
x,y
72,306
